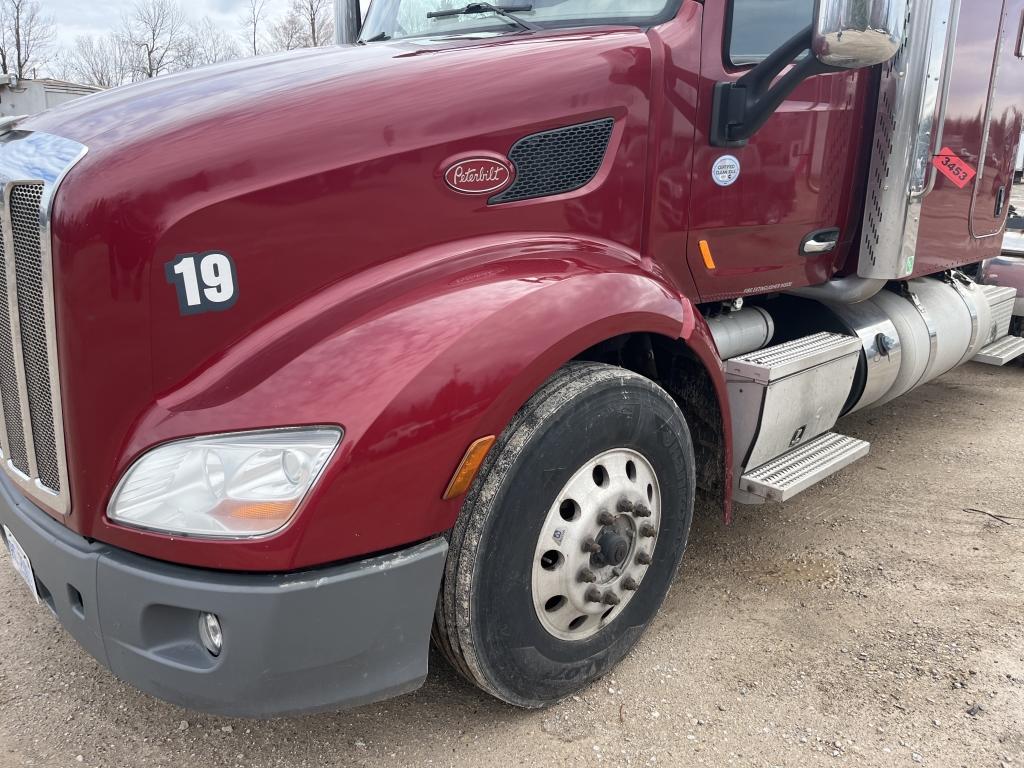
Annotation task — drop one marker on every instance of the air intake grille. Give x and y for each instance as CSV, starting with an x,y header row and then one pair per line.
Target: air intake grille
x,y
558,161
25,353
15,443
26,201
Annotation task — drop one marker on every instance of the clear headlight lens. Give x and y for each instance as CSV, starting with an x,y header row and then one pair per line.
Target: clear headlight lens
x,y
239,485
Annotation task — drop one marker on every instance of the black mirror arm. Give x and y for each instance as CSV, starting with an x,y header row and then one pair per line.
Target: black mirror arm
x,y
742,107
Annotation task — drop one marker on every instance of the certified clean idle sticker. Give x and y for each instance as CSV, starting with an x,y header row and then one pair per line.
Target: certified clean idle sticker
x,y
206,282
726,170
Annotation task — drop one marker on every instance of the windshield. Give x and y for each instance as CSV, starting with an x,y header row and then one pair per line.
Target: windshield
x,y
393,19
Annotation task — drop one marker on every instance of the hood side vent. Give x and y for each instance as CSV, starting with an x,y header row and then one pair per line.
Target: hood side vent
x,y
558,161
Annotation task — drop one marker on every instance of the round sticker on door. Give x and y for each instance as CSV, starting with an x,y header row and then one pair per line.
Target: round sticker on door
x,y
726,170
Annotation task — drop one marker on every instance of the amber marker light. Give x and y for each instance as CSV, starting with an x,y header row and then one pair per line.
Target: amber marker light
x,y
705,251
469,466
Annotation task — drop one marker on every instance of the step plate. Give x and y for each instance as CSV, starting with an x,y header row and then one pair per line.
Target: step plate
x,y
783,478
773,363
1001,352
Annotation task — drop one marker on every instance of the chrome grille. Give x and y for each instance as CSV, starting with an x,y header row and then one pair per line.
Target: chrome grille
x,y
15,435
32,165
25,206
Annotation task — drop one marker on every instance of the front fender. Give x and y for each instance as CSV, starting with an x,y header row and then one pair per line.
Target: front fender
x,y
415,361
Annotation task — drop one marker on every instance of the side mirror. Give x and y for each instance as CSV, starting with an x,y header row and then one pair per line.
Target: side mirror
x,y
852,34
845,34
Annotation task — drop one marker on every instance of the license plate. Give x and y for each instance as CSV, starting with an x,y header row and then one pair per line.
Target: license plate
x,y
21,562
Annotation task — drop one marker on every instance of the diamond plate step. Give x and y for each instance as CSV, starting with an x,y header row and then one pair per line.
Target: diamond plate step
x,y
783,478
773,363
1001,352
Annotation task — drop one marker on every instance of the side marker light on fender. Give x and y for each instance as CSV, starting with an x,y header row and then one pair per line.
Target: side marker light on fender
x,y
470,465
705,251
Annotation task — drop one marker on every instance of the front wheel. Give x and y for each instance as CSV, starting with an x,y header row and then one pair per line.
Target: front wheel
x,y
570,537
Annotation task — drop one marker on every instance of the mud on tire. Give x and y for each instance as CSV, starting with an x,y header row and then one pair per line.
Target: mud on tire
x,y
487,622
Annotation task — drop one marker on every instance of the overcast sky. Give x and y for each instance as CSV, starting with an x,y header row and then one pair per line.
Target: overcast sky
x,y
81,17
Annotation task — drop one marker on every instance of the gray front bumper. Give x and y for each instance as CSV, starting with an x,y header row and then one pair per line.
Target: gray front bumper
x,y
324,639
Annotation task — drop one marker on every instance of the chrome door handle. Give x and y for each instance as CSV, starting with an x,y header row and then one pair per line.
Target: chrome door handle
x,y
820,241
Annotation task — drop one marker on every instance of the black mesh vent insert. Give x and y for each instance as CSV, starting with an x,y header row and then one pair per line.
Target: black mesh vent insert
x,y
558,161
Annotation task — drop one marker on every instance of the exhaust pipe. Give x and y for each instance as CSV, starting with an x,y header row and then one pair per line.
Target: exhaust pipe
x,y
348,19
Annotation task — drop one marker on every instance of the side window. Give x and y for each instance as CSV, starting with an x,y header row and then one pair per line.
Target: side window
x,y
758,27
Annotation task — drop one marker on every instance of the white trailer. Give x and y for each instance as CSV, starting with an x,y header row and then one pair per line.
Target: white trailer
x,y
30,97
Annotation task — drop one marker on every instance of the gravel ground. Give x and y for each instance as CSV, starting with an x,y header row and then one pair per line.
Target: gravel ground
x,y
874,621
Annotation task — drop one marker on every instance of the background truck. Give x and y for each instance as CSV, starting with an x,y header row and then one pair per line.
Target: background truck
x,y
1007,269
1019,175
445,333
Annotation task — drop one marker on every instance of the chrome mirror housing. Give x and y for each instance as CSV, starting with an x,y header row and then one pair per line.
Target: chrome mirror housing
x,y
858,33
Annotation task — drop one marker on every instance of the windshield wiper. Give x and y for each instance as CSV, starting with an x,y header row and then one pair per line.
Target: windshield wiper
x,y
506,12
377,38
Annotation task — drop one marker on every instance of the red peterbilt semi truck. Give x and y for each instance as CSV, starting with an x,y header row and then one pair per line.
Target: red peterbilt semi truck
x,y
445,331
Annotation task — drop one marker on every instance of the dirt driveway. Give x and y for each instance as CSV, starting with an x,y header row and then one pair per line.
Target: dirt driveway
x,y
870,622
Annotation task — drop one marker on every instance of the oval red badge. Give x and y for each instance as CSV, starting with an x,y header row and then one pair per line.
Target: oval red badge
x,y
478,175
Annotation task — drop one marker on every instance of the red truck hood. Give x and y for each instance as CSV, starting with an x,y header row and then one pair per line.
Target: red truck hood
x,y
309,169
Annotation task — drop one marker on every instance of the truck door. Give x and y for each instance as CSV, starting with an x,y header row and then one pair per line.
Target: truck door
x,y
778,212
1001,120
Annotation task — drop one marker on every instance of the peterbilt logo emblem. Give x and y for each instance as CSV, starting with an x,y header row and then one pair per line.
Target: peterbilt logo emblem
x,y
478,175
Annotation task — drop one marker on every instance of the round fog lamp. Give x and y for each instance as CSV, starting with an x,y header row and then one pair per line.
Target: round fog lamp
x,y
210,633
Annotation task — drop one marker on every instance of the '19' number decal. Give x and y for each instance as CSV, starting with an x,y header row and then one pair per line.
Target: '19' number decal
x,y
206,282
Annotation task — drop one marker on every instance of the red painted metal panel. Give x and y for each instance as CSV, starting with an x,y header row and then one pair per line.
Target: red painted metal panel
x,y
802,172
370,293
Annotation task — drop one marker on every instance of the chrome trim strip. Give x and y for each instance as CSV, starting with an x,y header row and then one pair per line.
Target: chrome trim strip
x,y
972,309
943,92
37,158
15,315
933,337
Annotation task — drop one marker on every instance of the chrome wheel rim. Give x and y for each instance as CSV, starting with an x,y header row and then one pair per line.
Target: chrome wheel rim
x,y
596,544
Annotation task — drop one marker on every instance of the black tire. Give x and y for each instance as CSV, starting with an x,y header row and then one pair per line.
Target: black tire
x,y
486,624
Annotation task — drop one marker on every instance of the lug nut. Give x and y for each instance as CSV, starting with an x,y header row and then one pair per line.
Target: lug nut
x,y
610,598
593,595
587,576
605,517
647,531
641,511
625,507
629,584
591,546
642,558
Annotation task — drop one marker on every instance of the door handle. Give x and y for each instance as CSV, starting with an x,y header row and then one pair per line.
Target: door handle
x,y
820,241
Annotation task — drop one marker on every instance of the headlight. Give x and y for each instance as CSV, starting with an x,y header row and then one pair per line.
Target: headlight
x,y
238,485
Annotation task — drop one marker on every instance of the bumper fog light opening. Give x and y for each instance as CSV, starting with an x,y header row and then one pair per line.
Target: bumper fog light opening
x,y
210,633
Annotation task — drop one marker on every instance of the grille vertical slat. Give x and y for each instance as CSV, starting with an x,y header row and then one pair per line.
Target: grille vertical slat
x,y
25,204
15,438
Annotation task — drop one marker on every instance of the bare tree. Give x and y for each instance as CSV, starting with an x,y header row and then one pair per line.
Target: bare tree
x,y
105,61
306,24
287,33
317,18
253,17
205,43
154,30
26,36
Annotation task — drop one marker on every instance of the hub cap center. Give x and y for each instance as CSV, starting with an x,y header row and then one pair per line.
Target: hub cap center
x,y
614,548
